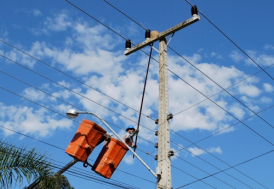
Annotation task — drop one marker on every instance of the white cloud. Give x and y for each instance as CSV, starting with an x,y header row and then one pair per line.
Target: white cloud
x,y
33,94
29,121
214,54
59,23
249,90
236,56
261,59
223,128
103,68
128,159
217,150
267,47
19,57
266,100
36,12
237,111
268,88
197,151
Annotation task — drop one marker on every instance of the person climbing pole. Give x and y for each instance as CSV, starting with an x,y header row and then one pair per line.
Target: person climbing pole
x,y
128,138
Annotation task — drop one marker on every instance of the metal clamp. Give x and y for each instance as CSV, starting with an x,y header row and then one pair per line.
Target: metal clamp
x,y
169,116
170,153
86,164
156,121
107,137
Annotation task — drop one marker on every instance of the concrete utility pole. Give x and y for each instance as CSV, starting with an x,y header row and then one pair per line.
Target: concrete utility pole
x,y
164,152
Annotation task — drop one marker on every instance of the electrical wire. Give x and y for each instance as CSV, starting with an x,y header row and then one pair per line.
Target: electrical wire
x,y
228,168
62,100
75,92
43,107
126,15
192,176
222,90
20,50
38,89
46,108
233,42
142,101
215,133
195,167
219,106
58,166
221,87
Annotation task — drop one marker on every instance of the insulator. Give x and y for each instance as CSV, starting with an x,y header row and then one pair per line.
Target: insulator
x,y
194,10
156,157
128,44
156,121
147,36
169,116
156,145
156,133
170,153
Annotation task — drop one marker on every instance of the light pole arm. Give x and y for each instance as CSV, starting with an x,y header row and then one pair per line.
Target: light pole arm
x,y
121,141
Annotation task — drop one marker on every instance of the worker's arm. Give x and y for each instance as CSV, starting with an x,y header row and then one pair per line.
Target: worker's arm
x,y
135,132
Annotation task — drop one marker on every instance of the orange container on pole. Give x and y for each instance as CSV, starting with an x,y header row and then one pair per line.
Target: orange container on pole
x,y
87,137
110,157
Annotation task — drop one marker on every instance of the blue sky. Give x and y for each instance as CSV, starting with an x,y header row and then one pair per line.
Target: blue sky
x,y
68,40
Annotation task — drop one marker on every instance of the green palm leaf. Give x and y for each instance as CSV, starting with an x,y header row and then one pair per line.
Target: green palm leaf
x,y
19,163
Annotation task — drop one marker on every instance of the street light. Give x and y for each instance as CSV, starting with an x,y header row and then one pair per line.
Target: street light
x,y
72,114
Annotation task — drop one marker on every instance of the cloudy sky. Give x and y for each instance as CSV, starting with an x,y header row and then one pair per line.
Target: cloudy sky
x,y
54,57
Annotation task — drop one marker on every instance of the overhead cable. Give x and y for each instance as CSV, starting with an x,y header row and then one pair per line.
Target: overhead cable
x,y
233,42
228,168
20,50
212,101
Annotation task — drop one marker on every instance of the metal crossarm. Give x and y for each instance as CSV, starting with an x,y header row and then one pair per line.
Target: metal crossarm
x,y
163,34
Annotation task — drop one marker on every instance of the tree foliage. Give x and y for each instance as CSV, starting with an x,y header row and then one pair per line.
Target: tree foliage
x,y
19,163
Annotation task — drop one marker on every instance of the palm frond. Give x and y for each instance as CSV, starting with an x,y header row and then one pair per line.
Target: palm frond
x,y
18,163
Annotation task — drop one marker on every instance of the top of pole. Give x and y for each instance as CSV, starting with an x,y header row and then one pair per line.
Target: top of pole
x,y
163,34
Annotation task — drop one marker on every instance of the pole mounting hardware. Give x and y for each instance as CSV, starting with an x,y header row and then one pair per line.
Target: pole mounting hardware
x,y
156,121
169,116
156,157
156,133
156,145
170,153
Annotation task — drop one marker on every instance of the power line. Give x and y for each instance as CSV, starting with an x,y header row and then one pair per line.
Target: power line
x,y
220,87
43,107
228,112
213,101
192,176
233,42
225,88
58,166
126,15
211,164
20,50
228,168
75,92
195,167
215,133
62,100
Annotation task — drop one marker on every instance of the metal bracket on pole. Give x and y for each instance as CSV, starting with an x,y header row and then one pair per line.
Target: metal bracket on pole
x,y
169,116
163,34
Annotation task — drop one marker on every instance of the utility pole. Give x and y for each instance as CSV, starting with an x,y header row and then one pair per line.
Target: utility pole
x,y
164,152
